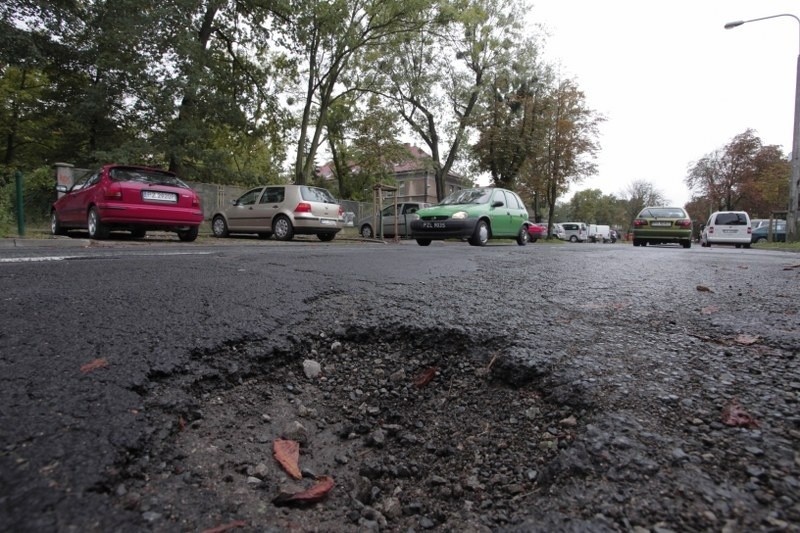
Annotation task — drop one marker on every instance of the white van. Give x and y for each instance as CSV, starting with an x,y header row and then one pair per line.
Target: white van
x,y
599,233
727,227
575,231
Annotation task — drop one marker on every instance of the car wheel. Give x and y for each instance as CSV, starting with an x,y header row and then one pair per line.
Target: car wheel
x,y
189,235
326,237
282,228
481,234
746,245
522,236
687,244
219,227
573,239
423,242
761,239
138,233
366,231
97,230
55,224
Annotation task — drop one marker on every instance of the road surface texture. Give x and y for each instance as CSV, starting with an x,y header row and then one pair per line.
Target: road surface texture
x,y
145,387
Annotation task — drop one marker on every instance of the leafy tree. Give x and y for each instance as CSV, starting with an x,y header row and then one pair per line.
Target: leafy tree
x,y
510,123
638,195
733,176
436,78
569,145
329,39
363,143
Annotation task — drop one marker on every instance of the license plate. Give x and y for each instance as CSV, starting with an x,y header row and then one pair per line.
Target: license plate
x,y
660,223
730,231
433,225
327,222
160,196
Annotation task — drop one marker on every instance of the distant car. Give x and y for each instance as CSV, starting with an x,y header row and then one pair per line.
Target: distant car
x,y
134,199
662,225
387,220
557,231
476,215
761,234
536,231
575,231
727,227
283,211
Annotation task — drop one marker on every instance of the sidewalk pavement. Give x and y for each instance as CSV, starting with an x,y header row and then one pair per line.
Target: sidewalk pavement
x,y
45,242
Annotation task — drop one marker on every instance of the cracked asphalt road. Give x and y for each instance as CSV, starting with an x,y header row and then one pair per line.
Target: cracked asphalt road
x,y
613,366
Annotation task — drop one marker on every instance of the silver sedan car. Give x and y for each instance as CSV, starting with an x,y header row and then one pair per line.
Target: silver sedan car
x,y
283,211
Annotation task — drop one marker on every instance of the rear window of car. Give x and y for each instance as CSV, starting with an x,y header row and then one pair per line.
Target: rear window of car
x,y
662,212
731,219
146,176
316,194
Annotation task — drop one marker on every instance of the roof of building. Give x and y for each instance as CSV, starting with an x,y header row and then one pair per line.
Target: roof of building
x,y
418,159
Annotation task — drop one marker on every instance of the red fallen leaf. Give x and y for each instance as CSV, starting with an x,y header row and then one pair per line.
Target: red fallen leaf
x,y
734,415
703,288
94,365
181,423
426,377
287,453
316,493
226,527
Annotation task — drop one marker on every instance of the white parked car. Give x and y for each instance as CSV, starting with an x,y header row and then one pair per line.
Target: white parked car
x,y
727,227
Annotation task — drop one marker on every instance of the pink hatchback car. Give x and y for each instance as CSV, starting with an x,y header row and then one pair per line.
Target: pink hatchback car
x,y
127,198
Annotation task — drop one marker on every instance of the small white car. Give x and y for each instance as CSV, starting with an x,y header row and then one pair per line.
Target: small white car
x,y
727,227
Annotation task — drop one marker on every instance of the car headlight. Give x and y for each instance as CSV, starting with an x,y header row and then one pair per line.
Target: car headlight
x,y
459,215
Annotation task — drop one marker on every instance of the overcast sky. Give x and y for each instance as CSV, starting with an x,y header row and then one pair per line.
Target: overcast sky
x,y
673,84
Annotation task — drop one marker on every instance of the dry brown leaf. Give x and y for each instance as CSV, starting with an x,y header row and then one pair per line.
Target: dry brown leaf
x,y
426,377
287,453
703,288
747,340
734,415
316,493
226,527
710,310
94,365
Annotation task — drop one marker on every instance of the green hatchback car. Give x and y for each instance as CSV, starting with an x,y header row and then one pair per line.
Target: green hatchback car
x,y
475,215
662,225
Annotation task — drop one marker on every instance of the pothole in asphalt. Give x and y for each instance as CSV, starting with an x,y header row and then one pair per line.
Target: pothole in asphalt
x,y
416,428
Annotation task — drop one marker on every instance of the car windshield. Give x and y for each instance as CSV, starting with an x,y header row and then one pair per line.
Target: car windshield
x,y
468,196
151,177
662,212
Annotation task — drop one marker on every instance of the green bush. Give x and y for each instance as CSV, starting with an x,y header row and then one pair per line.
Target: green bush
x,y
38,193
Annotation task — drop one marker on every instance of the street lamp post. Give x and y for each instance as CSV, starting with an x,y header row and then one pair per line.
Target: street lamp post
x,y
792,232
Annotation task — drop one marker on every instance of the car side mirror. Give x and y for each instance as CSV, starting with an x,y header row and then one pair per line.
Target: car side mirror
x,y
62,188
498,203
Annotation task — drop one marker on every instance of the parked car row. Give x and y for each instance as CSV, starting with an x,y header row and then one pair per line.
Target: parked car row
x,y
138,199
761,232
